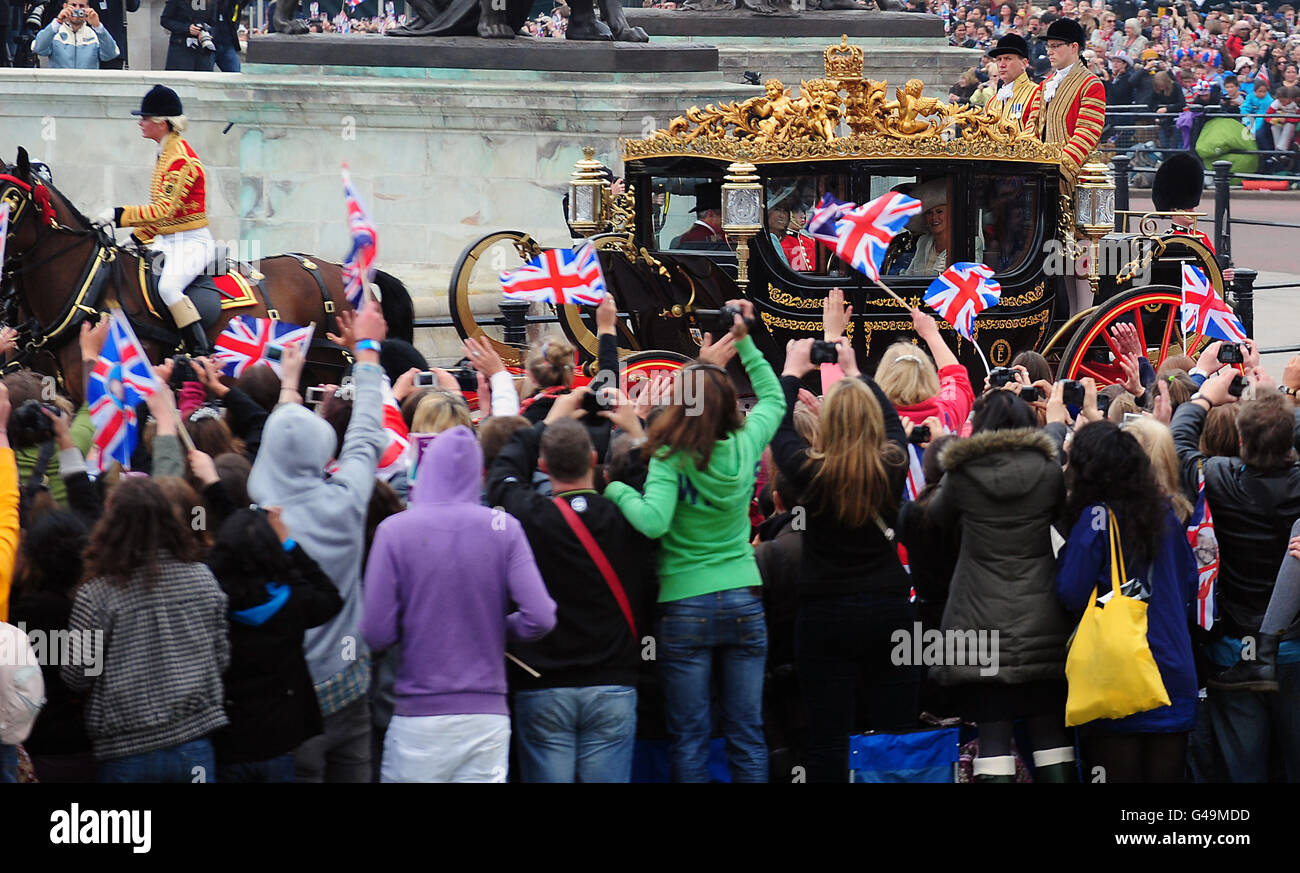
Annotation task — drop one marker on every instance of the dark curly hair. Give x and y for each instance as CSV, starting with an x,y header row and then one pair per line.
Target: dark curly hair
x,y
1002,410
1108,465
138,523
245,556
51,553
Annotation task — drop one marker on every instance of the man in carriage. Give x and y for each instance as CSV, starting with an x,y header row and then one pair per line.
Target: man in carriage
x,y
175,221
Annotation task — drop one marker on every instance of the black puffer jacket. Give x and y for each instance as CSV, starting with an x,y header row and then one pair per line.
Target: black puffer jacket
x,y
1004,488
1253,512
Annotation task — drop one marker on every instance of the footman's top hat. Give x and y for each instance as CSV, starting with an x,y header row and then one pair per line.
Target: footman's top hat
x,y
160,102
1066,30
1011,44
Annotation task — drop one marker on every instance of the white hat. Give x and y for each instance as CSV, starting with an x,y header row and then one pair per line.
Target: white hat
x,y
1243,62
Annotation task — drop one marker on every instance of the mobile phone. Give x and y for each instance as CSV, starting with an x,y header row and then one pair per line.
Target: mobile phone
x,y
426,379
1072,392
1132,416
316,395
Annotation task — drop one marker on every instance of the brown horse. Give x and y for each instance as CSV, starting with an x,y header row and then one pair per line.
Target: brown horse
x,y
60,269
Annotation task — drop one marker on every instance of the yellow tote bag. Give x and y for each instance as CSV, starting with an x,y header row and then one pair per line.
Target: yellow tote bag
x,y
1110,669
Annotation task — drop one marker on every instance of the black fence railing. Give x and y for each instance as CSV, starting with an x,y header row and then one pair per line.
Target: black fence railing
x,y
1125,122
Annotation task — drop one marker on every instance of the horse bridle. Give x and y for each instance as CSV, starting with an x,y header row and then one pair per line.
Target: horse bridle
x,y
32,337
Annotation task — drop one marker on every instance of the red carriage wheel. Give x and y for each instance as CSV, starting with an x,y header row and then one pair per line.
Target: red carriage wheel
x,y
1153,310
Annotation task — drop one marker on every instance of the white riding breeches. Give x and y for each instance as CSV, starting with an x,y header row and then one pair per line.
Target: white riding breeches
x,y
186,254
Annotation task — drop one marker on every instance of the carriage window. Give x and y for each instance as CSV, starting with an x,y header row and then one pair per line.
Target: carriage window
x,y
789,202
923,247
686,214
1006,206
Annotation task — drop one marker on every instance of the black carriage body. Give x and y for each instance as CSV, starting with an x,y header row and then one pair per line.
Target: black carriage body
x,y
789,301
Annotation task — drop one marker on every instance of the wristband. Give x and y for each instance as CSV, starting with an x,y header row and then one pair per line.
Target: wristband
x,y
369,345
1286,389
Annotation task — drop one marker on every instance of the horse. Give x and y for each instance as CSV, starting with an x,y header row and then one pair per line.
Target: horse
x,y
61,269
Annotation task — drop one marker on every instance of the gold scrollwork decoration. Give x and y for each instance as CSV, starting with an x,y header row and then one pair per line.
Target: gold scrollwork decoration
x,y
778,126
784,298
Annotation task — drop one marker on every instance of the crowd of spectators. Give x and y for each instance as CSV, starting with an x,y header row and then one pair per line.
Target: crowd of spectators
x,y
563,578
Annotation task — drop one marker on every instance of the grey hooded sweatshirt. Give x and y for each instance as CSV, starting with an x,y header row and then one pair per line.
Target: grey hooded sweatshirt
x,y
326,515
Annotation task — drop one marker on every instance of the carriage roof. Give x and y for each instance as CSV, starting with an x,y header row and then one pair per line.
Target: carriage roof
x,y
780,128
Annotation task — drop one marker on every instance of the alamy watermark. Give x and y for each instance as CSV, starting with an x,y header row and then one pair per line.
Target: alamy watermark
x,y
56,648
932,647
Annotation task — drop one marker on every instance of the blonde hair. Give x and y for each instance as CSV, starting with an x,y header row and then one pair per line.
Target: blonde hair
x,y
907,375
1120,406
1158,442
439,411
806,423
549,363
850,480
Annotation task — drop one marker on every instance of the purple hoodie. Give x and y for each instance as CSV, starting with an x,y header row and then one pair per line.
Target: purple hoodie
x,y
439,582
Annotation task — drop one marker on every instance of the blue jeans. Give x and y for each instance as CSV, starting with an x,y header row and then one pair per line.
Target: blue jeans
x,y
1247,723
729,625
187,762
576,734
8,764
227,57
279,769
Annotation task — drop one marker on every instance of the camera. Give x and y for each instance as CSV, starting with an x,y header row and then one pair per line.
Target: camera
x,y
1072,392
727,317
205,39
28,425
1103,403
34,16
316,395
1230,353
1000,376
823,352
595,401
1030,393
426,379
274,353
79,13
920,435
1238,385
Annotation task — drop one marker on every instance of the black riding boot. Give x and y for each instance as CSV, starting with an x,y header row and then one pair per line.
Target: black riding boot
x,y
1259,674
196,340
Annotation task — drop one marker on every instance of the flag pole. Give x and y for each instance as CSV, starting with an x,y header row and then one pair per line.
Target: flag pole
x,y
987,368
524,666
891,293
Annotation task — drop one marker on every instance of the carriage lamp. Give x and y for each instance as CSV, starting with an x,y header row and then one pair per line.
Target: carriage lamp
x,y
588,193
742,213
1094,198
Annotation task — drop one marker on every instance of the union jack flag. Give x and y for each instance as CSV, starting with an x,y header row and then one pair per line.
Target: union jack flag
x,y
398,434
359,265
1204,313
558,276
1205,546
821,224
861,235
962,292
120,381
246,339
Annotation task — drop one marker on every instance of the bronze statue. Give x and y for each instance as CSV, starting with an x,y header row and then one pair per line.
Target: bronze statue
x,y
490,19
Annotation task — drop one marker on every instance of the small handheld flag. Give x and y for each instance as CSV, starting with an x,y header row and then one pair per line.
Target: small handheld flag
x,y
248,340
359,265
558,276
861,235
121,380
1204,313
962,292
